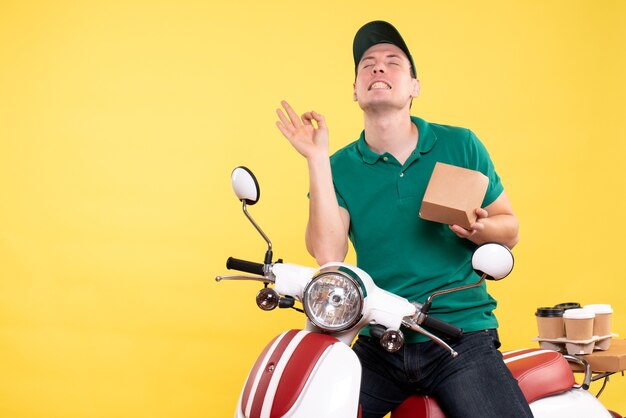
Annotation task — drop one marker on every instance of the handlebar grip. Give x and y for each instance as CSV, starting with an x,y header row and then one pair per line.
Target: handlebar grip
x,y
243,265
442,327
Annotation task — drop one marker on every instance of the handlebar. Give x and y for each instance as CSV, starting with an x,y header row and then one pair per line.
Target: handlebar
x,y
244,265
415,322
442,327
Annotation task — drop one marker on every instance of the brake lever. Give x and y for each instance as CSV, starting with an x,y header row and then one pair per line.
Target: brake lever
x,y
264,279
410,323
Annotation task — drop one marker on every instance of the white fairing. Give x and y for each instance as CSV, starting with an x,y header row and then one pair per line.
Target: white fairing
x,y
243,185
332,389
291,279
577,403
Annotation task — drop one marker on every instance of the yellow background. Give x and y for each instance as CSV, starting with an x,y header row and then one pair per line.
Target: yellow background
x,y
121,121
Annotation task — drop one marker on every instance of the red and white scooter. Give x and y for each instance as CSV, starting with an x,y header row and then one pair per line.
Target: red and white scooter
x,y
314,373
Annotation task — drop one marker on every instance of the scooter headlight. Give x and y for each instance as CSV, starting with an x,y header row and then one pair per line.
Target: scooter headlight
x,y
333,300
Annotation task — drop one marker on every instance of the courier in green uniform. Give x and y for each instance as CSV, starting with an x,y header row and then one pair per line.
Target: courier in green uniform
x,y
405,254
370,193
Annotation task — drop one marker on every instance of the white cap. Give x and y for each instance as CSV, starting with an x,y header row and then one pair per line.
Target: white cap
x,y
580,313
600,308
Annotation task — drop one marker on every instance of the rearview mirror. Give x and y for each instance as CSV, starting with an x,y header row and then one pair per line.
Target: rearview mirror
x,y
494,260
245,185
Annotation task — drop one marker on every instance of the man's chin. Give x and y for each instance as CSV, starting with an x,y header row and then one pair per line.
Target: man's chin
x,y
381,106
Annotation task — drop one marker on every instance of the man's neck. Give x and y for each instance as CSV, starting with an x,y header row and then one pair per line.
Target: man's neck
x,y
391,132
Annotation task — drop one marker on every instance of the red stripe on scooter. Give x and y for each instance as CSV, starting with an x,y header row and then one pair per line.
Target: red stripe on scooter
x,y
298,370
261,390
248,387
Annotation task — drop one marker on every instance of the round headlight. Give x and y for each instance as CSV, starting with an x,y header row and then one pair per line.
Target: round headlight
x,y
333,301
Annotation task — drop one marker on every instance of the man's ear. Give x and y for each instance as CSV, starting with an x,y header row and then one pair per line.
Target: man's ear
x,y
415,88
354,92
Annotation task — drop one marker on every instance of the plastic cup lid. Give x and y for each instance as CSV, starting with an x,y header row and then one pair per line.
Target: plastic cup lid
x,y
580,313
600,308
568,305
549,312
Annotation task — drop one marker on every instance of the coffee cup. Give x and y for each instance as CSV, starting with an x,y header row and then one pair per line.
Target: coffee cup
x,y
579,324
550,322
568,305
602,321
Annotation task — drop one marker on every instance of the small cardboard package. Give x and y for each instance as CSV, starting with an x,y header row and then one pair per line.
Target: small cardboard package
x,y
611,360
453,194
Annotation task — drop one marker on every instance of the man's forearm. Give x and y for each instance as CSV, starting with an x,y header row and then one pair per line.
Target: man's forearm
x,y
326,234
503,229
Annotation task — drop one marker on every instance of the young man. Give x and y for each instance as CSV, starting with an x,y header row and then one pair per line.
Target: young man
x,y
370,192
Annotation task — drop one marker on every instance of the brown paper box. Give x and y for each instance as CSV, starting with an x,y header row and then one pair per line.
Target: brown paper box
x,y
452,195
611,360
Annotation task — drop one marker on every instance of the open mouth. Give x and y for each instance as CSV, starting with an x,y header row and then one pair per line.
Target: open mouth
x,y
380,85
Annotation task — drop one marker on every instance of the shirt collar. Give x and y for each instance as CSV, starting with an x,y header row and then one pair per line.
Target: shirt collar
x,y
426,142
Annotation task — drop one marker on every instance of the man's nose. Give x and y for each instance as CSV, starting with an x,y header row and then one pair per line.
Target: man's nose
x,y
378,68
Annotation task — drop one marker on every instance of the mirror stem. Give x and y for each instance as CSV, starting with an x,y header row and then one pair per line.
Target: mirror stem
x,y
268,254
429,301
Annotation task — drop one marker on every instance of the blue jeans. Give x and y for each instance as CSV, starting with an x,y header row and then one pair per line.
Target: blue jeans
x,y
475,384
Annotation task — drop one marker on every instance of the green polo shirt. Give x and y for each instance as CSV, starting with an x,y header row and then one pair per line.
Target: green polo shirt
x,y
403,253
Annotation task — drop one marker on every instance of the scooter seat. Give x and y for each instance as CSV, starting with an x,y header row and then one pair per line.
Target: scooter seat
x,y
540,373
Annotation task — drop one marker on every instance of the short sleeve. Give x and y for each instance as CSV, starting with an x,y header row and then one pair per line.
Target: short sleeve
x,y
341,200
481,161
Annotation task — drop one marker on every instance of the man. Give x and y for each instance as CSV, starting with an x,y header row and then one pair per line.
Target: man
x,y
370,192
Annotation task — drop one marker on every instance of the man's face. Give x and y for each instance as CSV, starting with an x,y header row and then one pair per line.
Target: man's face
x,y
384,80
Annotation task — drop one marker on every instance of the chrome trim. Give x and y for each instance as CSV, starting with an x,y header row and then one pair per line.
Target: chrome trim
x,y
258,228
263,279
586,368
412,325
429,301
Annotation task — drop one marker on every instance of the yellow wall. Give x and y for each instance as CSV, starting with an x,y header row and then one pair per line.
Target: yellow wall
x,y
121,121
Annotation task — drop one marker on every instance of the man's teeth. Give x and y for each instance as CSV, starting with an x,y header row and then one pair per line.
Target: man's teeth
x,y
380,85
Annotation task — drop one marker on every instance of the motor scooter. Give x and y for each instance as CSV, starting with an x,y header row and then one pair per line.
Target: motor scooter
x,y
313,372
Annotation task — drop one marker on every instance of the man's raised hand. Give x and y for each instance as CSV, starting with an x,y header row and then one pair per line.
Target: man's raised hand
x,y
308,139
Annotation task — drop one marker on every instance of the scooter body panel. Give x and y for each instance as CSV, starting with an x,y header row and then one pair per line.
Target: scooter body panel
x,y
575,403
302,374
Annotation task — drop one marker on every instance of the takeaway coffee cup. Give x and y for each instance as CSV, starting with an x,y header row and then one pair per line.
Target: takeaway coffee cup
x,y
602,321
579,324
550,322
568,305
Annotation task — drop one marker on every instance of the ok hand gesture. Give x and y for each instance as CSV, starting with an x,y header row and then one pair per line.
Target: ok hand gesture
x,y
308,140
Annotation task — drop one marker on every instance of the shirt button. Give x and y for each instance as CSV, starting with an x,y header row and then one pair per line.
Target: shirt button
x,y
401,174
385,158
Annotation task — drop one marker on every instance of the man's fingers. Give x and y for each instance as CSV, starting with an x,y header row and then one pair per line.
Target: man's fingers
x,y
283,119
481,213
293,116
477,227
286,132
321,121
459,230
311,116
